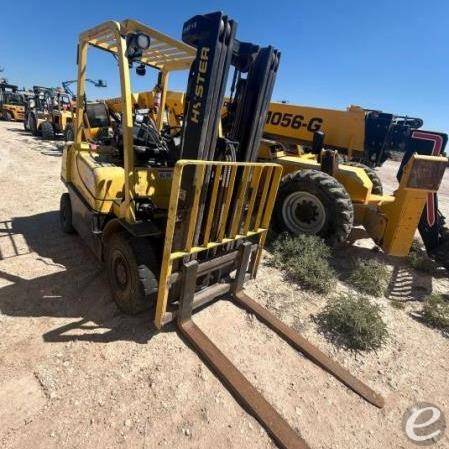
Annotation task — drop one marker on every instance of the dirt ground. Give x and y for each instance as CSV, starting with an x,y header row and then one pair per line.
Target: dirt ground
x,y
74,372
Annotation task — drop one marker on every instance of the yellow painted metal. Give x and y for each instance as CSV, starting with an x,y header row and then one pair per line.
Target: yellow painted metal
x,y
212,204
166,54
263,198
393,223
171,254
17,112
170,55
344,129
257,173
193,213
240,202
227,202
102,185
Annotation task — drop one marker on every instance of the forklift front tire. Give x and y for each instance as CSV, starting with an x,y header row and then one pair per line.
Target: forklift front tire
x,y
47,131
33,125
69,134
65,214
132,272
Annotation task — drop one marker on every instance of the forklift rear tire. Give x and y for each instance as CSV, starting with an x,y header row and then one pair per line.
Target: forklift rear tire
x,y
7,116
132,272
25,124
372,175
313,202
47,131
65,214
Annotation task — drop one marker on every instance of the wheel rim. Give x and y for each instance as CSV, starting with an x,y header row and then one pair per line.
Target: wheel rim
x,y
304,213
120,269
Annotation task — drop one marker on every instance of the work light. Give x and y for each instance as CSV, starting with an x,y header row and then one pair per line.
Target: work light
x,y
143,41
136,43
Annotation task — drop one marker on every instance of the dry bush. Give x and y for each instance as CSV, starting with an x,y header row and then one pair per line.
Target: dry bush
x,y
369,276
354,322
306,259
435,312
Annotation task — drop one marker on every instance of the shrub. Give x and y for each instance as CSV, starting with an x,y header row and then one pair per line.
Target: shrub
x,y
435,312
419,260
370,276
306,259
354,322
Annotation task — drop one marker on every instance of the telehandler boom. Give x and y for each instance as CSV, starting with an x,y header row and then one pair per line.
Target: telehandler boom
x,y
181,222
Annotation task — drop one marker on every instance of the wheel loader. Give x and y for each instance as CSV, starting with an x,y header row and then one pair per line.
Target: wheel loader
x,y
11,103
181,221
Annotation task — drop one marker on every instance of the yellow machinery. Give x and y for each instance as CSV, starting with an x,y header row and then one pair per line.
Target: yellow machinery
x,y
181,225
49,113
11,103
327,198
57,117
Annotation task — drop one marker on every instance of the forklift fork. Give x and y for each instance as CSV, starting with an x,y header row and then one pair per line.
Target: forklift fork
x,y
243,391
241,234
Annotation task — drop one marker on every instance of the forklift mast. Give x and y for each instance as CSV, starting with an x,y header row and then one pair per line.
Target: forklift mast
x,y
213,36
217,51
249,106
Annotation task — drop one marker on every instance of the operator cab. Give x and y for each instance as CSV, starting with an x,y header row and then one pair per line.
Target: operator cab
x,y
154,145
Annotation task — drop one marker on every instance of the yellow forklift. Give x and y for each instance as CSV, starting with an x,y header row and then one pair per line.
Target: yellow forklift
x,y
181,222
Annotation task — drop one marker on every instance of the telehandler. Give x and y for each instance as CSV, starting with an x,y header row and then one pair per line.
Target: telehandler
x,y
180,222
11,102
319,194
366,138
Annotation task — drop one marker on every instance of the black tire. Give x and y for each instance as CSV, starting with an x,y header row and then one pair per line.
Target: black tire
x,y
69,133
132,272
313,202
33,125
25,123
47,131
65,214
372,175
8,116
